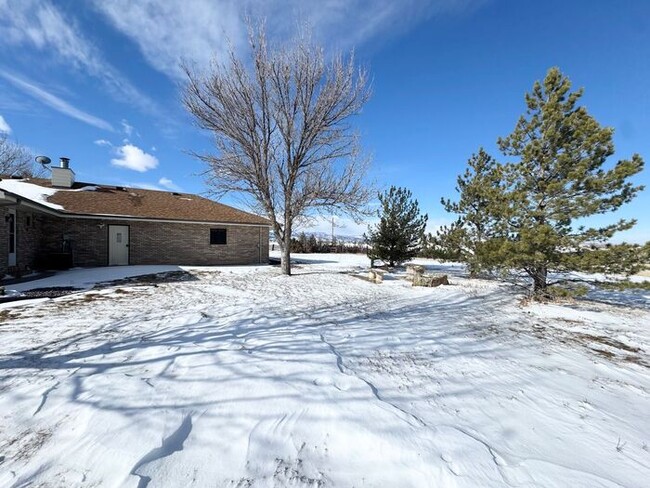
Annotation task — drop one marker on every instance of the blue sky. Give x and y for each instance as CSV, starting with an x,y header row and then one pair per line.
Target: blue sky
x,y
98,80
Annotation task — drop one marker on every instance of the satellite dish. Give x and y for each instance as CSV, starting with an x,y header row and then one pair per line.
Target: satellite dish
x,y
44,160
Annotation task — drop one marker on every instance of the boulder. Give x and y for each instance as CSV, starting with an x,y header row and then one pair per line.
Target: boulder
x,y
430,280
413,270
376,275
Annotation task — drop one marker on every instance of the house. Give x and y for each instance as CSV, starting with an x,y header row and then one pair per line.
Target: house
x,y
59,223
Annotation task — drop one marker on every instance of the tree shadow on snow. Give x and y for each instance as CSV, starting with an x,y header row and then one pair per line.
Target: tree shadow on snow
x,y
219,353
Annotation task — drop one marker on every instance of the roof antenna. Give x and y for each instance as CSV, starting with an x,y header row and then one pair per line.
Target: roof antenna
x,y
43,161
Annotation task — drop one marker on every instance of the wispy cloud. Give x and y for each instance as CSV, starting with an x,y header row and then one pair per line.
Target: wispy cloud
x,y
169,31
134,158
4,126
127,128
169,184
55,102
103,143
41,25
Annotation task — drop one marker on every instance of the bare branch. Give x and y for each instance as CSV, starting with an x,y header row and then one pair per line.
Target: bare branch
x,y
15,160
282,130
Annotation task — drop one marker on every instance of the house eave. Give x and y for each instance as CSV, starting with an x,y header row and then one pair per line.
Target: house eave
x,y
8,199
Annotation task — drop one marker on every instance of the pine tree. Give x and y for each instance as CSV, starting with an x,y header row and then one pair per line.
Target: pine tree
x,y
470,237
302,242
312,244
439,246
542,201
398,235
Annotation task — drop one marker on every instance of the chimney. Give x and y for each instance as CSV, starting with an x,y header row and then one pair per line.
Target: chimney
x,y
63,176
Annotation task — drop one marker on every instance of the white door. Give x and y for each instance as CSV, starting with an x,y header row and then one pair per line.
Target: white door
x,y
12,236
118,245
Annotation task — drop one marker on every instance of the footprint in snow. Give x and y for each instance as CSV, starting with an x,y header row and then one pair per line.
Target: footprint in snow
x,y
341,384
450,464
323,381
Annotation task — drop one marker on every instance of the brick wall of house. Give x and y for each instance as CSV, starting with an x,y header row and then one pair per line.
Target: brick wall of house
x,y
86,238
39,235
156,242
4,243
265,244
28,239
167,243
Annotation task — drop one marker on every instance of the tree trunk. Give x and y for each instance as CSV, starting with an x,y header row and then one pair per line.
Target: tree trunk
x,y
539,280
286,259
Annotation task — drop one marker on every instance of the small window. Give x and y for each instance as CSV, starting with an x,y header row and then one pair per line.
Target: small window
x,y
28,221
218,236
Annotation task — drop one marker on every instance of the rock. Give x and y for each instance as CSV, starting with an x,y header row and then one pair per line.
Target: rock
x,y
430,280
413,270
376,275
440,280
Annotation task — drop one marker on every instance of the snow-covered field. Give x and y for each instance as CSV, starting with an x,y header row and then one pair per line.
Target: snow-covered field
x,y
241,377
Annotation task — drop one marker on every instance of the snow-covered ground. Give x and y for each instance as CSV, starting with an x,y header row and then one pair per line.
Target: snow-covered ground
x,y
241,377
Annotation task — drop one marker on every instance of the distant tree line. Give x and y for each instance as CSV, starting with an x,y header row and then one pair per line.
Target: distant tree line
x,y
311,244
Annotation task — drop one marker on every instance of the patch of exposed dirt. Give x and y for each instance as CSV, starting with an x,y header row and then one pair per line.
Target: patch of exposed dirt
x,y
6,315
153,279
27,443
51,292
605,347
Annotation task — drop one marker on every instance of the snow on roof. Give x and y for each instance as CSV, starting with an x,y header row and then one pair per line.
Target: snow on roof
x,y
30,191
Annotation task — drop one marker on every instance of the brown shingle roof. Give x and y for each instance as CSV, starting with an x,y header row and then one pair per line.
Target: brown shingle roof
x,y
146,204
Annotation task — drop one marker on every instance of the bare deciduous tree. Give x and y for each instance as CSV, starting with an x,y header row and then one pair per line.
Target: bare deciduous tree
x,y
282,131
14,158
